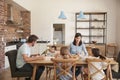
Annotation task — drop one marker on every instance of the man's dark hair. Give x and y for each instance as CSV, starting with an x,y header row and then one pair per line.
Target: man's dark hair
x,y
32,38
54,47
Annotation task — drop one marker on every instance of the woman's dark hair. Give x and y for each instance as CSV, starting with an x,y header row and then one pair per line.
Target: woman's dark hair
x,y
96,53
32,38
77,35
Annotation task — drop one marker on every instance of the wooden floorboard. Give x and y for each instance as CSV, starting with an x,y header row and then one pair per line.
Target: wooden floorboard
x,y
6,75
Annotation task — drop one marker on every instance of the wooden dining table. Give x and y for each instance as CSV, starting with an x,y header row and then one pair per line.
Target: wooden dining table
x,y
48,62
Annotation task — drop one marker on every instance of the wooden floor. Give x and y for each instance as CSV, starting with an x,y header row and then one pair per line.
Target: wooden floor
x,y
6,75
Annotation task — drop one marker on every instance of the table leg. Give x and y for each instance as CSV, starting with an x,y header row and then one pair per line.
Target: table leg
x,y
46,72
34,72
109,73
89,71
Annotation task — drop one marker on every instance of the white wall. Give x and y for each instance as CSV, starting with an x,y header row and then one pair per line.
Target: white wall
x,y
118,25
44,13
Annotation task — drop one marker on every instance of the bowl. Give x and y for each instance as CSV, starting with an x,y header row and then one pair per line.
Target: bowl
x,y
94,42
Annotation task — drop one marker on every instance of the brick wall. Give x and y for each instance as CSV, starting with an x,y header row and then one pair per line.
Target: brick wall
x,y
26,22
2,58
21,19
2,12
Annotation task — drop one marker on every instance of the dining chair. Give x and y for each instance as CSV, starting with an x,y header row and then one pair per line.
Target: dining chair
x,y
49,71
116,75
15,73
111,49
62,67
118,60
98,70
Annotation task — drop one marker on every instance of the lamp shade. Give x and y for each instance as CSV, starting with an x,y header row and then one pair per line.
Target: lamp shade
x,y
62,15
81,15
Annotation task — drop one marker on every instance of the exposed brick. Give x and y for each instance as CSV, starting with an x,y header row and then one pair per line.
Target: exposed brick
x,y
21,19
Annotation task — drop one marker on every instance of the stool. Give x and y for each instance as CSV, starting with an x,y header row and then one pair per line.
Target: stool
x,y
111,50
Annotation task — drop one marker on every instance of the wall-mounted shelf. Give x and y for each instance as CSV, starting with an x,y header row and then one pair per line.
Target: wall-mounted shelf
x,y
90,28
93,28
91,20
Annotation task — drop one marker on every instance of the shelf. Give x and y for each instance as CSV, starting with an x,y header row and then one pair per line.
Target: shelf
x,y
12,25
91,20
82,28
96,43
93,28
93,13
93,35
90,28
97,28
97,36
43,41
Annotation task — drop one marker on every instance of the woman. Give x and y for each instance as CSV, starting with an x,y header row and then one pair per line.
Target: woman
x,y
77,47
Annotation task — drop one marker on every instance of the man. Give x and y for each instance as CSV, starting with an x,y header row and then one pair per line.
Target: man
x,y
24,56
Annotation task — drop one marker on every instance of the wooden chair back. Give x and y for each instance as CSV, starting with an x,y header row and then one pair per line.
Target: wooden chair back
x,y
64,67
89,50
99,70
12,55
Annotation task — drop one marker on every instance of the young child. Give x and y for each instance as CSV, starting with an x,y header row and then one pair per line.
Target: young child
x,y
99,65
64,54
52,51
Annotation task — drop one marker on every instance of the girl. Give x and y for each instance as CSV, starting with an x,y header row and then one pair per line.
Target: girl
x,y
99,65
64,54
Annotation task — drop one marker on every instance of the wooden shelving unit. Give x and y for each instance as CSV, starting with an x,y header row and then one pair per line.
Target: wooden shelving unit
x,y
93,28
